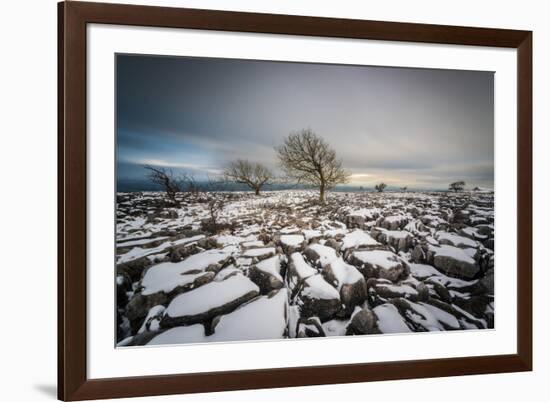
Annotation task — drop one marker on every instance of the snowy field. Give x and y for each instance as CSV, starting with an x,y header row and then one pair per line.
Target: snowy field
x,y
234,266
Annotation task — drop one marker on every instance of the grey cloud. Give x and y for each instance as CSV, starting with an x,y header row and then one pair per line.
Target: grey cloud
x,y
387,122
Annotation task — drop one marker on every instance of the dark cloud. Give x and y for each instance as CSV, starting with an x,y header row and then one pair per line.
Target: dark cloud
x,y
393,124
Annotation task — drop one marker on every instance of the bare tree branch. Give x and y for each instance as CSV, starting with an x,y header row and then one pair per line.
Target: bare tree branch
x,y
190,184
165,179
307,158
254,175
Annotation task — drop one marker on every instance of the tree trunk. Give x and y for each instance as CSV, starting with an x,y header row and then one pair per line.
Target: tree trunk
x,y
322,193
257,191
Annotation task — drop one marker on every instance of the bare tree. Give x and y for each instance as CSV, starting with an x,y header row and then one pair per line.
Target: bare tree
x,y
405,188
215,207
190,184
215,183
457,186
165,179
307,158
380,187
254,175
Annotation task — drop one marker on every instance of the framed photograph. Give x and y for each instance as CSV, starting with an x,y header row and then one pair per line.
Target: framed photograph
x,y
253,200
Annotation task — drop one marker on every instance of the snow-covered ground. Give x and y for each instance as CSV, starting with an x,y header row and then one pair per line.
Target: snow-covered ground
x,y
234,266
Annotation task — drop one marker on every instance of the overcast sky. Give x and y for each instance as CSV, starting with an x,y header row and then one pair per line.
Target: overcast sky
x,y
415,127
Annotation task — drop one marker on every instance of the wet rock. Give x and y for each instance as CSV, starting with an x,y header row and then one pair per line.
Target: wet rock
x,y
207,243
364,322
475,305
320,255
123,286
259,254
348,281
488,281
388,290
153,318
418,254
332,243
441,291
298,271
466,319
390,321
452,239
454,261
133,269
380,264
393,222
473,233
310,328
426,317
139,305
423,292
267,274
318,298
180,253
354,221
400,240
291,243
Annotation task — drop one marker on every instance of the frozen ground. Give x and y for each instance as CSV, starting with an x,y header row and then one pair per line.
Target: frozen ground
x,y
234,266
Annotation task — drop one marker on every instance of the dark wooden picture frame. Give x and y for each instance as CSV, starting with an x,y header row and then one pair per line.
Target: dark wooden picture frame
x,y
73,17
